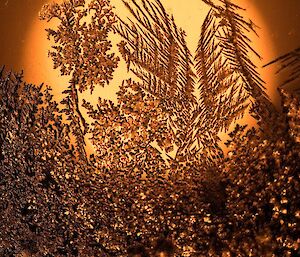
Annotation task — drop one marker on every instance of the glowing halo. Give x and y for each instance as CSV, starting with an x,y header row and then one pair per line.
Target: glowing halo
x,y
39,67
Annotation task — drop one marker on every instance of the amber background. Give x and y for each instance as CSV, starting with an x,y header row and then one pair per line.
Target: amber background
x,y
15,21
23,43
282,18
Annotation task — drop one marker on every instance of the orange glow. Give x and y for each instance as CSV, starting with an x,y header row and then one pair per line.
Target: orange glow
x,y
188,14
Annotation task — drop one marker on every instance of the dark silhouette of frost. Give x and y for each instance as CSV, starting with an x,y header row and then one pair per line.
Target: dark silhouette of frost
x,y
126,199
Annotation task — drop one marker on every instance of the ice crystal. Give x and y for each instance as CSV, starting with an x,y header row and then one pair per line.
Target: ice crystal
x,y
131,197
